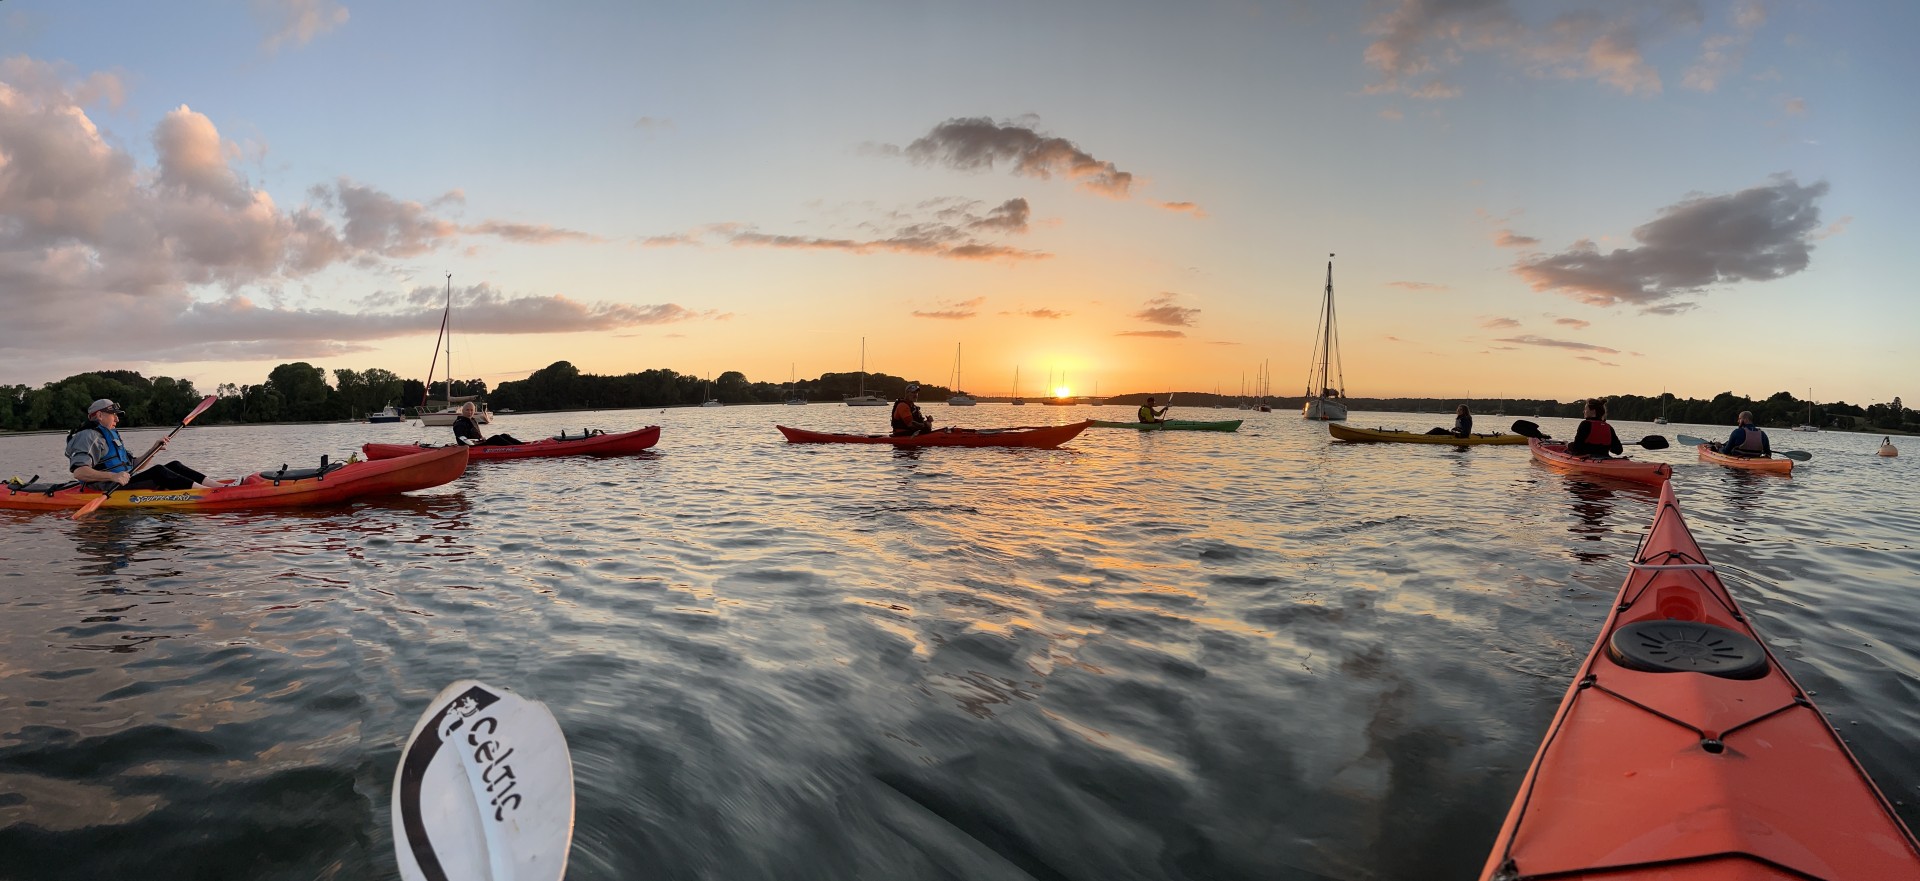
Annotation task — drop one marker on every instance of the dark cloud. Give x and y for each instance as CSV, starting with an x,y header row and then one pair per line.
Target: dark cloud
x,y
1531,340
1160,310
978,143
1155,334
1757,234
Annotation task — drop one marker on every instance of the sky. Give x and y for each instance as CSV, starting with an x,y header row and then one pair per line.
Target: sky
x,y
1540,199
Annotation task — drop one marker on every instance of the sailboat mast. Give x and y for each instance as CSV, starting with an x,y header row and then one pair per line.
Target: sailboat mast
x,y
449,323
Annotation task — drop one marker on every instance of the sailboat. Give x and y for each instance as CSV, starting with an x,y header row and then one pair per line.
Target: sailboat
x,y
451,412
863,399
1662,418
1809,426
1017,400
1322,395
958,398
710,401
794,397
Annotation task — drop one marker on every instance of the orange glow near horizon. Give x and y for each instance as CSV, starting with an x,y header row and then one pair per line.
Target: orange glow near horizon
x,y
1061,391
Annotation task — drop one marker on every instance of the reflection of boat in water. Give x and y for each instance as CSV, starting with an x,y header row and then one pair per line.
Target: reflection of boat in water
x,y
1323,393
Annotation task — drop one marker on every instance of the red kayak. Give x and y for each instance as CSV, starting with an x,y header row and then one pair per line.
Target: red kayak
x,y
279,488
1044,438
624,443
1685,752
1554,453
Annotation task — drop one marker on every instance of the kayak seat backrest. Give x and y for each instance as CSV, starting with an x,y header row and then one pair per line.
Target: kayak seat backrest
x,y
41,486
284,473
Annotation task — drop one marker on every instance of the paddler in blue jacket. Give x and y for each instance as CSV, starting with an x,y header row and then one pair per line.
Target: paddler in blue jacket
x,y
1595,438
97,456
1746,440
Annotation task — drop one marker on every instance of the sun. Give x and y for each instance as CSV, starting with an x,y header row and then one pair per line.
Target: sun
x,y
1061,391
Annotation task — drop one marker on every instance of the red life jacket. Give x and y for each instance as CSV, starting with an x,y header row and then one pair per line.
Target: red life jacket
x,y
1599,434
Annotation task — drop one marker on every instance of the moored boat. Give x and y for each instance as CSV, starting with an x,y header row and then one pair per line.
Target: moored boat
x,y
586,444
1775,464
1684,750
1326,381
390,414
1045,437
1388,435
1554,454
1172,425
280,488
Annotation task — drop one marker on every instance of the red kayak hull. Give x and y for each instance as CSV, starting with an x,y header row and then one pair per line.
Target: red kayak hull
x,y
623,444
351,481
1554,454
1046,437
1710,763
1774,465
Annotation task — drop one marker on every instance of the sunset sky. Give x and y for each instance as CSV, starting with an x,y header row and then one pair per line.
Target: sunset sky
x,y
1526,199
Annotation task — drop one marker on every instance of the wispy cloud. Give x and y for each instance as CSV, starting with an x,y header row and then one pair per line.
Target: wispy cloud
x,y
298,22
1596,360
1038,313
1575,323
1531,340
652,124
1187,208
946,228
1757,234
1722,54
1154,334
1499,323
1161,310
1507,238
953,311
1419,286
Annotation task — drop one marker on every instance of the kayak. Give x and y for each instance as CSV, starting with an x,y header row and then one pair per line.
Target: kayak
x,y
280,488
1172,425
1778,464
1555,454
1388,435
1044,438
1684,750
602,444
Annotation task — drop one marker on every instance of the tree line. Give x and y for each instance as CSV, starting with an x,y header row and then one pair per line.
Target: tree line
x,y
301,392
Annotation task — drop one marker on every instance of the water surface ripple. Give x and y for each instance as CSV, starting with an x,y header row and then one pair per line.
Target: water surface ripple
x,y
1143,656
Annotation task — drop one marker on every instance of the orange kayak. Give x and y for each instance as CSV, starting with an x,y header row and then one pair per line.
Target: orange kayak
x,y
1046,437
1776,464
280,488
1684,751
603,444
1554,453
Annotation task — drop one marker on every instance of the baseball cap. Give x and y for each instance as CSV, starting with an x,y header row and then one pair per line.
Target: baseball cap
x,y
103,404
913,386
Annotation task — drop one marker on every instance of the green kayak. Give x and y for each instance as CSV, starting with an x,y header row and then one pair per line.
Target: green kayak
x,y
1172,425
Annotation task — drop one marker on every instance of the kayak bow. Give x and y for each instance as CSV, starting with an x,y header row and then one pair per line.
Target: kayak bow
x,y
1684,750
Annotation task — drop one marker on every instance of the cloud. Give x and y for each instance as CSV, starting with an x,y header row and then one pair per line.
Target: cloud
x,y
298,22
1419,286
1154,334
536,234
652,124
1507,238
954,311
1575,323
1184,208
1160,310
1722,54
1417,41
1531,340
1596,360
1039,313
1499,323
1795,106
1756,234
978,143
946,228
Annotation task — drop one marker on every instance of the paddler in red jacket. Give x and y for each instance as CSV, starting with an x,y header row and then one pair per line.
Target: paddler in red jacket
x,y
1595,437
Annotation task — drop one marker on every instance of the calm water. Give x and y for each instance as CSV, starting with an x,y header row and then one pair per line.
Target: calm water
x,y
1184,655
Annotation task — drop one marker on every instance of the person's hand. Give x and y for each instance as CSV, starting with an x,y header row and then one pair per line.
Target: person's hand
x,y
163,441
121,477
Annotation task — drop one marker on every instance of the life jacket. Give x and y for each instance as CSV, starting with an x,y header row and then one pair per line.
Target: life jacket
x,y
1146,412
1753,441
903,414
1599,434
116,458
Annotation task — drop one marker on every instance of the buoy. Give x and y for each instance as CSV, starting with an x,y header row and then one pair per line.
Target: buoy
x,y
1886,448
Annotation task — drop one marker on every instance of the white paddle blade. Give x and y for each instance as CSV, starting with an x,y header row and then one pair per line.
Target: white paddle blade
x,y
484,791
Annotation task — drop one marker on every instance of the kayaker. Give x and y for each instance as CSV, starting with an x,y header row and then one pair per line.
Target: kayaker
x,y
1746,440
1150,416
98,458
1462,423
1595,437
907,418
466,430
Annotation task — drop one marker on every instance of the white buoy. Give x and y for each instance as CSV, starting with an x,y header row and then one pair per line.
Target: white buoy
x,y
1887,449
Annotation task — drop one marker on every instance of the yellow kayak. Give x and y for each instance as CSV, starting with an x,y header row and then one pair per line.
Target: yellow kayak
x,y
1388,435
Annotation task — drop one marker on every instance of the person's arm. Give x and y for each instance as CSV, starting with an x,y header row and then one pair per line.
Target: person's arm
x,y
1615,447
1733,440
1580,433
1766,444
83,451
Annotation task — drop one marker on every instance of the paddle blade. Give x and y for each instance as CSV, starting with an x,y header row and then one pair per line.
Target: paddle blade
x,y
205,403
1524,428
1796,455
1692,441
90,507
484,790
1654,442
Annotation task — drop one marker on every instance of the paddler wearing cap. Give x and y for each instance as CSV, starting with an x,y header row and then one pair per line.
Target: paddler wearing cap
x,y
907,418
97,456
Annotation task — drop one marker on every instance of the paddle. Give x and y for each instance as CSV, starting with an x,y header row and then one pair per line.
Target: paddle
x,y
94,505
1527,429
484,789
1795,455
